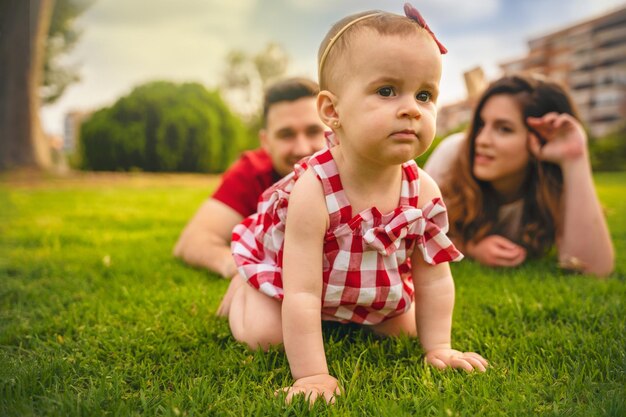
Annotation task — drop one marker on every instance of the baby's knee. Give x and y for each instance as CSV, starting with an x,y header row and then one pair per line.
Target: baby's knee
x,y
256,336
253,324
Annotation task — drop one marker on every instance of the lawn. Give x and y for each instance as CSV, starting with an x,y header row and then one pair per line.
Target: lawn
x,y
97,318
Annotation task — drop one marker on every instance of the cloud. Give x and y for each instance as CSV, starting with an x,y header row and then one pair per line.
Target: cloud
x,y
163,13
449,11
308,5
455,11
481,49
163,35
126,42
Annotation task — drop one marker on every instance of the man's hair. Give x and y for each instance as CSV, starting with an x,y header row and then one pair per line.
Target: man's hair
x,y
290,89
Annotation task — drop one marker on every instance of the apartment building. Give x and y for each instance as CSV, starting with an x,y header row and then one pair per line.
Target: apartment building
x,y
451,116
590,59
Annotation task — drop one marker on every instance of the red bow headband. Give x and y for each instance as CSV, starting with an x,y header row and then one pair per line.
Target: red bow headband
x,y
412,13
409,11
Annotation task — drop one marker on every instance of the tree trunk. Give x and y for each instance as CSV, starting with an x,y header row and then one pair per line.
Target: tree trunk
x,y
24,28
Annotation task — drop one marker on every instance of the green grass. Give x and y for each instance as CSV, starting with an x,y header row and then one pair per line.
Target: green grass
x,y
97,318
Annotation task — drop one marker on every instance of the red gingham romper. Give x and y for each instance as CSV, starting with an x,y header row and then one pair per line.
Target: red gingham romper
x,y
367,267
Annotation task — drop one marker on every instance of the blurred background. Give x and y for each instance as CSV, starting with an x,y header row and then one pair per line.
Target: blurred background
x,y
163,85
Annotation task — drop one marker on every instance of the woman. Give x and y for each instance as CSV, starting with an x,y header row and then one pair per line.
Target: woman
x,y
520,180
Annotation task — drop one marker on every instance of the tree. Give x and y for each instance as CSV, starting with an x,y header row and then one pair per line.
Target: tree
x,y
608,153
271,62
246,76
24,29
62,37
162,126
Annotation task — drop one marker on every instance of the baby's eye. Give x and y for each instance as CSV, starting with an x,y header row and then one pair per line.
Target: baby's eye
x,y
424,96
385,91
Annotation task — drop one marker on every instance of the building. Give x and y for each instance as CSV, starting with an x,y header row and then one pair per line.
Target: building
x,y
71,129
452,116
589,58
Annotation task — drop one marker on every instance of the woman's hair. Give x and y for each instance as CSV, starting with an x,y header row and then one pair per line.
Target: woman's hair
x,y
337,41
473,204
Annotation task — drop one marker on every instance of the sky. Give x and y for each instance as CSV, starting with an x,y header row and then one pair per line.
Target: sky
x,y
125,43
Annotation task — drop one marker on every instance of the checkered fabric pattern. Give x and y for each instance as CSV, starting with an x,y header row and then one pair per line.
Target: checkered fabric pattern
x,y
367,267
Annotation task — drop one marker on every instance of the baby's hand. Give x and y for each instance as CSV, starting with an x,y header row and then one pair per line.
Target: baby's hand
x,y
322,385
442,358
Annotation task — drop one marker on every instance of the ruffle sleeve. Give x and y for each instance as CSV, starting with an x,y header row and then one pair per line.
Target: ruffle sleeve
x,y
429,225
433,242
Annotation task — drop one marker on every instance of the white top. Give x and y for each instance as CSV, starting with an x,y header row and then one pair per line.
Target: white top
x,y
442,158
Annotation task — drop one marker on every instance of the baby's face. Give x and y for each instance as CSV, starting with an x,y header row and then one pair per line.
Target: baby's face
x,y
386,96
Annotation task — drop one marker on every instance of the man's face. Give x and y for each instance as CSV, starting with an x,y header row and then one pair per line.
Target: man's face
x,y
293,131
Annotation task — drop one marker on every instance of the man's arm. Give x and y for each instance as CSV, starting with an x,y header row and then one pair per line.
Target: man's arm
x,y
205,241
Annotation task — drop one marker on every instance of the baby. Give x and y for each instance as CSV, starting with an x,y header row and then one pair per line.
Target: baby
x,y
357,232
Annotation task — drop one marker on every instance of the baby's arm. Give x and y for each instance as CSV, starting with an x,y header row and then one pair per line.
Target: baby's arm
x,y
434,303
307,222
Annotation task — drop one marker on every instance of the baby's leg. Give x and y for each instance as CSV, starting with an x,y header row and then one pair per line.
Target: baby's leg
x,y
255,318
224,308
402,324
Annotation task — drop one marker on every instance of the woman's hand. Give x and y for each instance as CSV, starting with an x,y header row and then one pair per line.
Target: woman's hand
x,y
314,387
444,358
563,135
495,250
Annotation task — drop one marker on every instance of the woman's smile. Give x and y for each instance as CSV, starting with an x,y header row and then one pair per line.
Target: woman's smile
x,y
482,159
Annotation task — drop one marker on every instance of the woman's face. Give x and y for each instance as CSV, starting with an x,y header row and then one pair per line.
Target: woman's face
x,y
501,155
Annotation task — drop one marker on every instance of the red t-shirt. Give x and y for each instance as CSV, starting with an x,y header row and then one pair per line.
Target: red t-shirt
x,y
244,182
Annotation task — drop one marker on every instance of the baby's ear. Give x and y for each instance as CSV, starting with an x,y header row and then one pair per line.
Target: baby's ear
x,y
326,109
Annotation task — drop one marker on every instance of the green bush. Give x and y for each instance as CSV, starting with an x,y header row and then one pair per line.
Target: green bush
x,y
162,126
609,152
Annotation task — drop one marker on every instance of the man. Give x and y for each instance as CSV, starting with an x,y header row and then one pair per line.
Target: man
x,y
291,131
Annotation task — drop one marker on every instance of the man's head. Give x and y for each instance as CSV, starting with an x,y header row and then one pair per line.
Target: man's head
x,y
291,126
